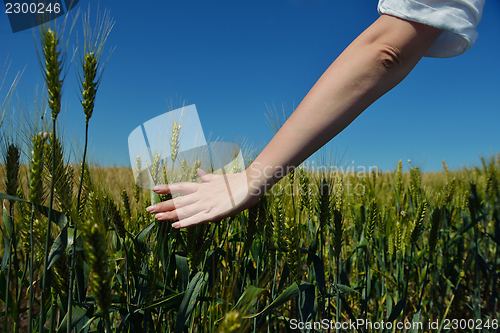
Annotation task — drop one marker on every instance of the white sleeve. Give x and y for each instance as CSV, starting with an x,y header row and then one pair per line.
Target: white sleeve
x,y
458,19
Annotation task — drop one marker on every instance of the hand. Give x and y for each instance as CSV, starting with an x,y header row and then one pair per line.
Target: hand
x,y
219,196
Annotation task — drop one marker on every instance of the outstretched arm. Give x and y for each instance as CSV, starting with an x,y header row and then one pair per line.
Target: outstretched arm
x,y
370,66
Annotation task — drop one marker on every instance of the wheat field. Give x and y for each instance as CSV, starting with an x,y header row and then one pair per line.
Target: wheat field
x,y
323,251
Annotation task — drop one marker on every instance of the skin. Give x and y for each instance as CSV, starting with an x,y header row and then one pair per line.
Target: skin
x,y
374,63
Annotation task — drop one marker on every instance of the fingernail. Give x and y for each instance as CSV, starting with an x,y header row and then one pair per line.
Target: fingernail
x,y
159,215
175,225
156,188
150,209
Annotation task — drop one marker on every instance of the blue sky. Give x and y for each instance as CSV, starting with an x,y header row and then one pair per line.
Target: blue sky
x,y
232,58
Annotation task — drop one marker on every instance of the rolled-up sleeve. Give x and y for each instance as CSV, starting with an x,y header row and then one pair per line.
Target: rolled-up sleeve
x,y
457,18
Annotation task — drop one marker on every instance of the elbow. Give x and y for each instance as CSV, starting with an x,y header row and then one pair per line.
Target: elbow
x,y
390,56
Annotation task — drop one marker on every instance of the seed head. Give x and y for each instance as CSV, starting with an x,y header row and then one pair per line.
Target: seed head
x,y
155,168
98,260
325,204
53,69
114,215
175,142
338,193
126,204
372,219
338,231
293,255
303,202
435,224
280,228
36,169
419,223
399,237
12,165
89,84
399,175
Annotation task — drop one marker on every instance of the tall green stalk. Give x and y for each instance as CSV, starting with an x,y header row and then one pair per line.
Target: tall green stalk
x,y
91,76
73,251
11,185
35,195
473,209
48,233
30,301
338,225
53,68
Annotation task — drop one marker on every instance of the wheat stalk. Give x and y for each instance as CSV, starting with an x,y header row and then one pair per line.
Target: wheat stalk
x,y
372,219
53,63
175,142
11,186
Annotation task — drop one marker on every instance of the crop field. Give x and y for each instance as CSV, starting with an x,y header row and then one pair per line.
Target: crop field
x,y
323,251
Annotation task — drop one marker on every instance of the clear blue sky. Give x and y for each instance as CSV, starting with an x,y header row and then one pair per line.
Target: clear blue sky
x,y
231,58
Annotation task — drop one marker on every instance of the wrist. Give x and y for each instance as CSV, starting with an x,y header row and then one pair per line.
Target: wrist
x,y
261,177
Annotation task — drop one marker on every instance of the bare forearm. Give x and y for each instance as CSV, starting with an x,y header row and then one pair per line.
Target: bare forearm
x,y
373,64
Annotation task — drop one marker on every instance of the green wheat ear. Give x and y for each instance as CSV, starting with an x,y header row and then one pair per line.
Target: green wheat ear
x,y
63,174
89,85
338,232
265,221
175,142
234,322
399,176
435,225
96,251
372,219
114,215
293,255
374,176
94,235
279,225
197,244
339,192
419,223
126,205
155,168
87,188
399,237
92,69
53,69
446,169
325,204
303,202
60,274
137,187
12,166
391,245
251,226
449,191
36,168
24,212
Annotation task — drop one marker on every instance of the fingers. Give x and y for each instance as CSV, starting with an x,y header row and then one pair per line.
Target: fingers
x,y
182,188
197,206
191,221
179,213
175,209
171,204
